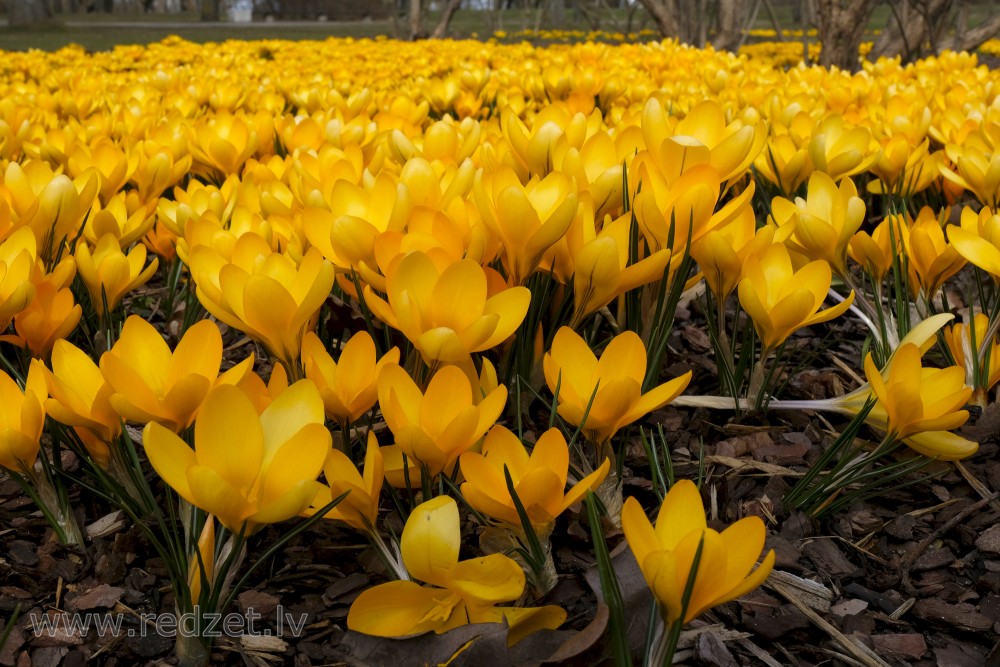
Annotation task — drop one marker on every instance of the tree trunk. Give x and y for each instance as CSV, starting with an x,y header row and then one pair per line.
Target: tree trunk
x,y
26,12
730,24
840,26
664,16
416,20
209,10
442,25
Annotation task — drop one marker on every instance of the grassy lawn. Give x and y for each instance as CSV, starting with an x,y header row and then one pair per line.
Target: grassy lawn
x,y
95,31
92,32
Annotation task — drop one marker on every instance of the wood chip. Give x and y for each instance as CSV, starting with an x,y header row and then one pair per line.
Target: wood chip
x,y
812,593
263,643
108,524
759,466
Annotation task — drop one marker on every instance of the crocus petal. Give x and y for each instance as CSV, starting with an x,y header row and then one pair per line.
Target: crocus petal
x,y
431,540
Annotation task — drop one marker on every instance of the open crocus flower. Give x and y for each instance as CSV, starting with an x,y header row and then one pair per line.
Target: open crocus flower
x,y
80,397
266,295
17,264
875,252
223,143
433,428
109,273
978,239
49,203
931,259
51,315
447,314
348,386
22,419
125,217
666,554
153,384
781,300
528,219
247,469
460,592
917,399
822,224
346,233
539,478
359,509
977,169
839,151
703,136
611,385
602,271
113,163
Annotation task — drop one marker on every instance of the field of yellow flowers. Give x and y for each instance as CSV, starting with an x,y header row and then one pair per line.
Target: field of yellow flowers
x,y
497,354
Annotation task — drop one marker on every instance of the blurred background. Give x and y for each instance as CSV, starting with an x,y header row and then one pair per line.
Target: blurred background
x,y
906,28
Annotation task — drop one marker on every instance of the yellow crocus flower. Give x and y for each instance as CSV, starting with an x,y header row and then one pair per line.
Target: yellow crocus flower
x,y
460,592
916,399
721,253
51,204
977,169
153,384
977,239
823,223
958,338
51,316
611,385
528,219
223,143
841,151
22,419
433,427
930,258
266,295
359,509
80,397
348,386
447,314
702,136
781,300
602,272
875,252
109,273
539,478
17,265
784,163
113,163
247,469
666,554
